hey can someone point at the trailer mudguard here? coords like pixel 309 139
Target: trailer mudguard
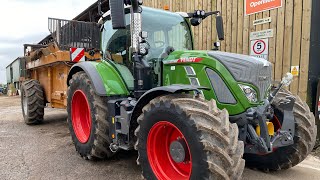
pixel 105 78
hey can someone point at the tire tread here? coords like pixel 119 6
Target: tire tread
pixel 219 139
pixel 100 146
pixel 33 90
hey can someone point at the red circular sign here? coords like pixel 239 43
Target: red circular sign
pixel 259 47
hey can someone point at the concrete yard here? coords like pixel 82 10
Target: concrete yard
pixel 46 151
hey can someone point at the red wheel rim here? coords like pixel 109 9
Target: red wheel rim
pixel 81 116
pixel 276 123
pixel 161 135
pixel 277 127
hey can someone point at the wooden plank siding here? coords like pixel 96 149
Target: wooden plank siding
pixel 291 24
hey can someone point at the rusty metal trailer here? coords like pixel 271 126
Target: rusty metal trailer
pixel 47 66
pixel 51 71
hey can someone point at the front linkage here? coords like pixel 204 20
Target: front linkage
pixel 263 139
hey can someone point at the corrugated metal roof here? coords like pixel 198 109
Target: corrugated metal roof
pixel 18 58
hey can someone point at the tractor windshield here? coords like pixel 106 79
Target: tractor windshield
pixel 165 29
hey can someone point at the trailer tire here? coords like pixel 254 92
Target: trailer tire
pixel 32 102
pixel 304 139
pixel 5 91
pixel 87 119
pixel 214 151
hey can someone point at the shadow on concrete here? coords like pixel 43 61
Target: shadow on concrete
pixel 54 116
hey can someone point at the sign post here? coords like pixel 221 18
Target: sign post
pixel 260 48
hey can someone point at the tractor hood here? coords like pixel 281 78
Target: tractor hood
pixel 247 69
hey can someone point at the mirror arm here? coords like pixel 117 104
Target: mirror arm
pixel 194 14
pixel 135 6
pixel 100 13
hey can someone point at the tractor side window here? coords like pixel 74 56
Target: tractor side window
pixel 179 36
pixel 116 43
pixel 159 39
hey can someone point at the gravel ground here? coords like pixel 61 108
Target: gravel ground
pixel 46 152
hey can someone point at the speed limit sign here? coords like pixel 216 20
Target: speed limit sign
pixel 260 48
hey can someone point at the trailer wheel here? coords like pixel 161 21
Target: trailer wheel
pixel 5 91
pixel 181 137
pixel 304 140
pixel 87 119
pixel 32 102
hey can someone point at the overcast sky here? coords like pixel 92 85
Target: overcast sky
pixel 26 22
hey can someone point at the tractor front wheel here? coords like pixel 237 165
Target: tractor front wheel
pixel 87 119
pixel 183 137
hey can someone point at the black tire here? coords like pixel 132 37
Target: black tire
pixel 97 145
pixel 4 91
pixel 32 102
pixel 213 141
pixel 304 139
pixel 317 113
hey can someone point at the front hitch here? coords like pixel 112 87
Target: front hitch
pixel 286 81
pixel 259 144
pixel 264 144
pixel 284 136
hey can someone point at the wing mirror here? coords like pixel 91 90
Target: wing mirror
pixel 199 15
pixel 219 26
pixel 117 14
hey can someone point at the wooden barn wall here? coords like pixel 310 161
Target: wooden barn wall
pixel 288 47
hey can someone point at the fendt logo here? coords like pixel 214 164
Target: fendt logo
pixel 184 60
pixel 255 6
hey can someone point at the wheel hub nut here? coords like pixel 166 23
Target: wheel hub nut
pixel 178 150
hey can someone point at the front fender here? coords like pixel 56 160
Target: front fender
pixel 158 91
pixel 155 92
pixel 104 77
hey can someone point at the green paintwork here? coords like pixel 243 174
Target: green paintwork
pixel 177 75
pixel 113 82
pixel 125 74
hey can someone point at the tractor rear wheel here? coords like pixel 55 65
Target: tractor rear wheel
pixel 87 119
pixel 183 137
pixel 32 102
pixel 304 139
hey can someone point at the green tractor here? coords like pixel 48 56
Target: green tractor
pixel 190 114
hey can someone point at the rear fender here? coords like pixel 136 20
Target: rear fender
pixel 104 77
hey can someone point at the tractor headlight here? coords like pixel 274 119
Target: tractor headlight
pixel 250 93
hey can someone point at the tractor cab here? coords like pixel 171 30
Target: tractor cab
pixel 166 31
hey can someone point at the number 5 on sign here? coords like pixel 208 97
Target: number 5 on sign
pixel 259 48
